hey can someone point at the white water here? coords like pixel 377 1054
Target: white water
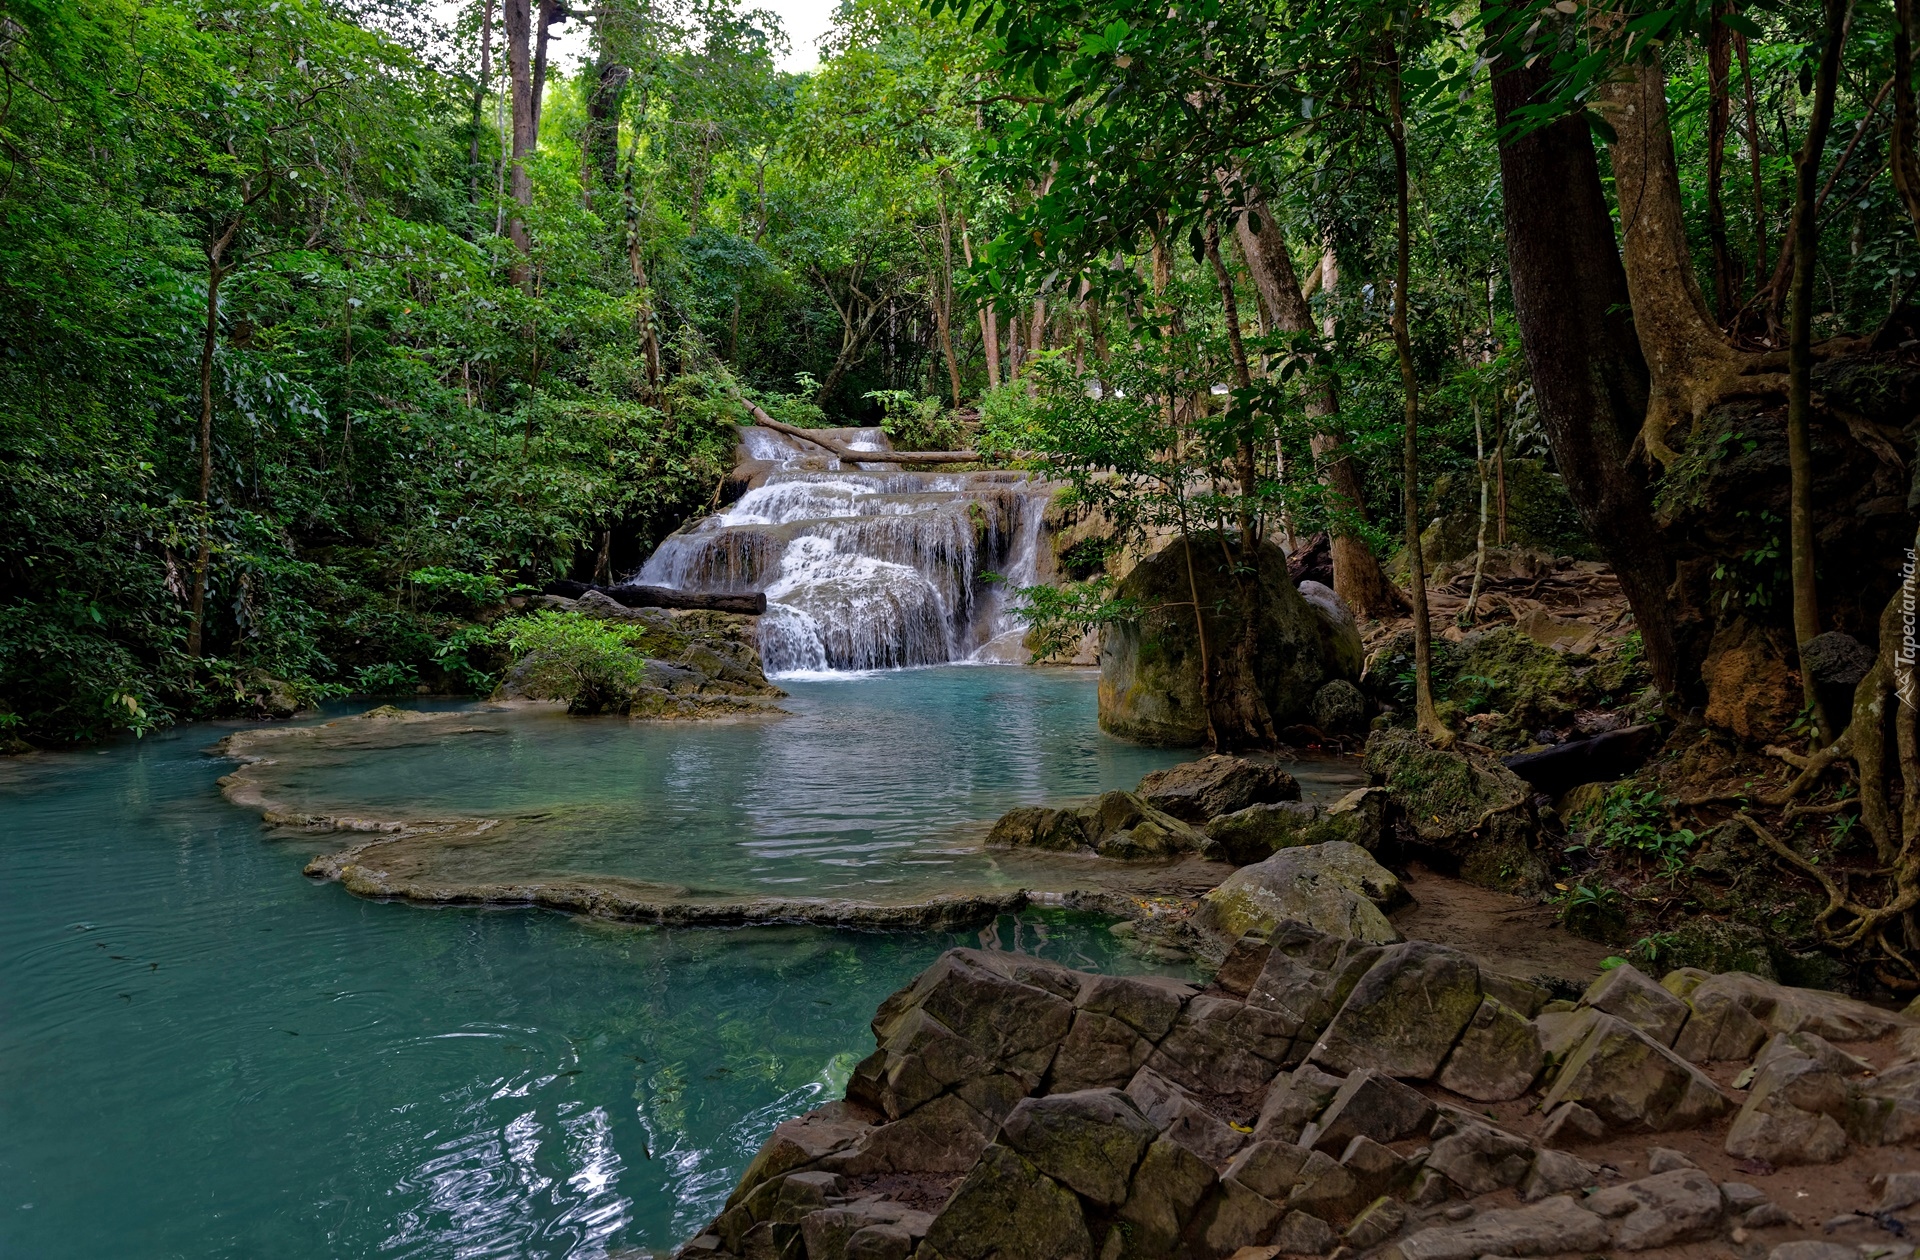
pixel 866 568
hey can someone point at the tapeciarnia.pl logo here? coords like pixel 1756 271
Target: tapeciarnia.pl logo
pixel 1903 670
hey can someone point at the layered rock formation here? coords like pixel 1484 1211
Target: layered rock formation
pixel 1324 1090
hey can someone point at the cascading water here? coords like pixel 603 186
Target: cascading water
pixel 865 568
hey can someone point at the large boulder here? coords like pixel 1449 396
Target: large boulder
pixel 1336 888
pixel 1007 1209
pixel 1150 675
pixel 1199 791
pixel 1465 810
pixel 1122 825
pixel 1259 831
pixel 1405 1014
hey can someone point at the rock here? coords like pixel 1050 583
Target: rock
pixel 1006 1209
pixel 1766 1216
pixel 1627 994
pixel 1523 996
pixel 1665 1159
pixel 1147 1004
pixel 1150 688
pixel 1293 1100
pixel 1405 1014
pixel 829 1232
pixel 1837 662
pixel 1376 1169
pixel 1752 693
pixel 1554 1172
pixel 1548 1228
pixel 1312 561
pixel 1338 707
pixel 1813 1249
pixel 1088 1141
pixel 1380 1220
pixel 1719 1028
pixel 1269 1169
pixel 1815 1047
pixel 1886 1109
pixel 1783 1009
pixel 1031 827
pixel 1791 1114
pixel 1633 1083
pixel 1336 888
pixel 1897 1190
pixel 1183 1120
pixel 1326 1189
pixel 1672 1207
pixel 1235 1217
pixel 1498 1056
pixel 1372 1105
pixel 1197 791
pixel 1340 644
pixel 1480 1159
pixel 1099 1051
pixel 1223 1046
pixel 1570 1124
pixel 801 1141
pixel 1304 1235
pixel 1164 1197
pixel 1009 1024
pixel 1259 831
pixel 1741 1197
pixel 1471 812
pixel 944 1136
pixel 1124 825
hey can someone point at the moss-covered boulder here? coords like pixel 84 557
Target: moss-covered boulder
pixel 1467 811
pixel 1267 646
pixel 1259 831
pixel 1336 888
pixel 1118 825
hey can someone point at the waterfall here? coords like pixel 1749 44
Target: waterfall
pixel 865 568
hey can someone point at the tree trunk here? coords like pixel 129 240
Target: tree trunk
pixel 549 9
pixel 1356 573
pixel 1243 462
pixel 1726 266
pixel 1753 163
pixel 209 340
pixel 943 300
pixel 602 141
pixel 1905 163
pixel 479 99
pixel 1471 612
pixel 643 317
pixel 518 21
pixel 1425 716
pixel 1691 367
pixel 1806 248
pixel 1570 294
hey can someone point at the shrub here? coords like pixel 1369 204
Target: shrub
pixel 593 665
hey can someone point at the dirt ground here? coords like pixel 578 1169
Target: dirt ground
pixel 1509 934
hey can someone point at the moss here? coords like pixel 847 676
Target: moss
pixel 1714 945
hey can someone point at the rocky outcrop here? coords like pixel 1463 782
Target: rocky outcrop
pixel 1122 825
pixel 1264 641
pixel 1460 809
pixel 1336 888
pixel 1322 1091
pixel 697 664
pixel 1259 831
pixel 1198 791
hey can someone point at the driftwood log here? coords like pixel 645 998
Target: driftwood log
pixel 845 452
pixel 662 597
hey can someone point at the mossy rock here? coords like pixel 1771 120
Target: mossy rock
pixel 1150 669
pixel 1539 514
pixel 1714 945
pixel 1491 671
pixel 1470 812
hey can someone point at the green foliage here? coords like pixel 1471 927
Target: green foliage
pixel 1057 616
pixel 593 665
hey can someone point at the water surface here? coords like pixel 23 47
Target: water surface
pixel 206 1055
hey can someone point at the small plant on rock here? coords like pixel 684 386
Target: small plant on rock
pixel 593 665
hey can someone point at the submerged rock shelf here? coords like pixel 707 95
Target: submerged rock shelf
pixel 718 823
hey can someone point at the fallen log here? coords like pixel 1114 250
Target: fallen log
pixel 662 597
pixel 1611 755
pixel 845 452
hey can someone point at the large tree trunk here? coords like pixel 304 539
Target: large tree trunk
pixel 1425 716
pixel 1356 574
pixel 1806 248
pixel 1726 267
pixel 1691 367
pixel 518 21
pixel 1589 379
pixel 550 11
pixel 602 141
